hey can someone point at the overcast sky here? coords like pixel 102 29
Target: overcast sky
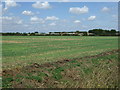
pixel 58 16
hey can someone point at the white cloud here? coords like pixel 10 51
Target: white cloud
pixel 77 21
pixel 1 9
pixel 78 10
pixel 20 22
pixel 63 0
pixel 28 13
pixel 105 9
pixel 36 19
pixel 1 4
pixel 39 5
pixel 6 18
pixel 52 24
pixel 12 23
pixel 114 16
pixel 91 18
pixel 26 25
pixel 10 3
pixel 51 18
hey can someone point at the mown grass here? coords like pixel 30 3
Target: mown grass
pixel 18 51
pixel 94 72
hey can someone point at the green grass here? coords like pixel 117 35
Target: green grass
pixel 57 73
pixel 21 50
pixel 94 72
pixel 74 74
pixel 7 81
pixel 37 78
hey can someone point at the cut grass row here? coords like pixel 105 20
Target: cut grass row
pixel 95 72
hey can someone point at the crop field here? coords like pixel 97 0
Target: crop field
pixel 60 61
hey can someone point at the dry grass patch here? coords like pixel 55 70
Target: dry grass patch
pixel 12 42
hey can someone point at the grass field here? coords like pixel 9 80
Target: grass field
pixel 29 49
pixel 60 61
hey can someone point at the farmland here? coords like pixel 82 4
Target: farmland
pixel 60 61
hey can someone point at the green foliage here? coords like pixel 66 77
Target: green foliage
pixel 42 74
pixel 6 81
pixel 95 61
pixel 101 32
pixel 87 70
pixel 18 80
pixel 96 32
pixel 37 78
pixel 73 61
pixel 57 73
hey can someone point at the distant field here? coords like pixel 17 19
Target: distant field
pixel 20 51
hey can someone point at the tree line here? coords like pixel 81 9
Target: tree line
pixel 101 32
pixel 93 32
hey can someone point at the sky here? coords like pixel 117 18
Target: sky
pixel 58 16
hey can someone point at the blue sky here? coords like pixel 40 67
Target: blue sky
pixel 58 16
